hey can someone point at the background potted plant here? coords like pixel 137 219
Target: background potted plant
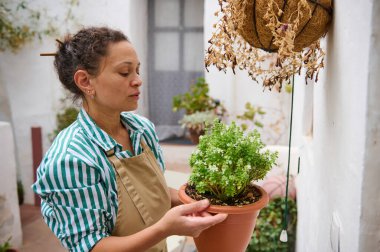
pixel 198 105
pixel 224 165
pixel 196 123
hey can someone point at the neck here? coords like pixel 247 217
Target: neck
pixel 109 121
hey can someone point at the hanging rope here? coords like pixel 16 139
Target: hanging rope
pixel 284 234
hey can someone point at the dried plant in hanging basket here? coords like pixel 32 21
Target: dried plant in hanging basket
pixel 252 23
pixel 271 39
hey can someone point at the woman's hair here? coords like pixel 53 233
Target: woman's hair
pixel 83 50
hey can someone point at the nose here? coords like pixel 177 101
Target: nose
pixel 137 81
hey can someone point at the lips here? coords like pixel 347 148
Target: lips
pixel 135 95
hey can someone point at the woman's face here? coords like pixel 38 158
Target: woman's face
pixel 118 82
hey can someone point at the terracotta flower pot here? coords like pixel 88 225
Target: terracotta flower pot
pixel 194 135
pixel 234 233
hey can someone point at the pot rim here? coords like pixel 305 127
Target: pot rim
pixel 261 203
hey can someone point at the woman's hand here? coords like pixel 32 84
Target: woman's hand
pixel 189 220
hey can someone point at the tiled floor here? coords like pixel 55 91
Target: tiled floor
pixel 36 234
pixel 38 237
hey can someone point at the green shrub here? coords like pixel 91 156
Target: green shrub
pixel 250 116
pixel 227 160
pixel 64 119
pixel 197 99
pixel 5 246
pixel 265 237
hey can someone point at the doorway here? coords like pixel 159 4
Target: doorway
pixel 175 53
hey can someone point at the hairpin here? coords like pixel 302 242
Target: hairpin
pixel 52 54
pixel 48 54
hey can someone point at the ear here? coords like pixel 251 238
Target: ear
pixel 82 80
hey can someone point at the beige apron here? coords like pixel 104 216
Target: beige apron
pixel 143 196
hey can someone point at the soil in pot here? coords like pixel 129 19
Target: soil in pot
pixel 252 195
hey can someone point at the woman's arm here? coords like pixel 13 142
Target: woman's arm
pixel 187 220
pixel 140 241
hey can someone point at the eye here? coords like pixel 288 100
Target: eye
pixel 124 74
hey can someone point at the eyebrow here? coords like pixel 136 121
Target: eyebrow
pixel 128 63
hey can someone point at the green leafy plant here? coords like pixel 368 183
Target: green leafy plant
pixel 265 237
pixel 227 160
pixel 197 99
pixel 20 23
pixel 5 246
pixel 250 116
pixel 64 119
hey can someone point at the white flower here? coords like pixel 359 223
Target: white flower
pixel 196 152
pixel 213 168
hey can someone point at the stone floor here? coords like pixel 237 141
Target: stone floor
pixel 38 237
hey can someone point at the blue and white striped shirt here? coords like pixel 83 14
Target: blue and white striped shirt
pixel 77 183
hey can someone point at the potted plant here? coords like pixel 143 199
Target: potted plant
pixel 198 105
pixel 196 123
pixel 224 165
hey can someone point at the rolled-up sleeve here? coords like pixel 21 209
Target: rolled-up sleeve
pixel 73 201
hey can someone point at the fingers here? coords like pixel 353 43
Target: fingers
pixel 209 220
pixel 204 214
pixel 219 218
pixel 195 207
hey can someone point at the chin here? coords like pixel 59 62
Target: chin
pixel 130 108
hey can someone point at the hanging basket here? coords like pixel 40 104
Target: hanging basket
pixel 251 24
pixel 271 39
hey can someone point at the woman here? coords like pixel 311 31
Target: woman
pixel 101 181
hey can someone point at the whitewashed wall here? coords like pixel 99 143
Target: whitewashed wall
pixel 370 218
pixel 32 85
pixel 336 129
pixel 9 211
pixel 331 183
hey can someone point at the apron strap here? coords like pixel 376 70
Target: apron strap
pixel 144 145
pixel 131 190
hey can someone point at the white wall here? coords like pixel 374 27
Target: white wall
pixel 10 213
pixel 331 177
pixel 370 218
pixel 30 81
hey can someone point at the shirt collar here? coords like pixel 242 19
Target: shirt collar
pixel 128 119
pixel 99 136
